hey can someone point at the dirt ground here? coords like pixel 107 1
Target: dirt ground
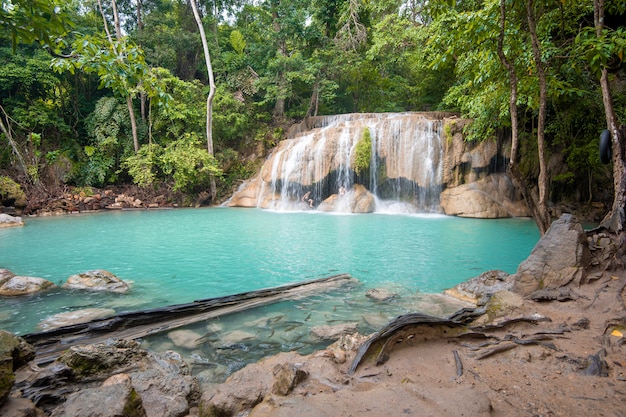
pixel 576 341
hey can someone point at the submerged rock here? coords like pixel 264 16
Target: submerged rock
pixel 379 294
pixel 326 332
pixel 96 280
pixel 184 338
pixel 18 285
pixel 75 317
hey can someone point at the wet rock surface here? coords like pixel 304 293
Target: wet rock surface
pixel 18 285
pixel 96 280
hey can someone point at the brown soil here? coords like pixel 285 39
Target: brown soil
pixel 422 378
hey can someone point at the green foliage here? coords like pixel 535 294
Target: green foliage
pixel 143 166
pixel 28 21
pixel 363 152
pixel 189 164
pixel 108 128
pixel 11 193
pixel 237 42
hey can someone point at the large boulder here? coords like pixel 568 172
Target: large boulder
pixel 248 387
pixel 115 397
pixel 488 198
pixel 18 285
pixel 357 200
pixel 557 260
pixel 10 221
pixel 96 280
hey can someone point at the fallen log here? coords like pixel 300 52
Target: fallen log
pixel 50 344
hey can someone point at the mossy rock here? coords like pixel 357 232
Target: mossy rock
pixel 7 377
pixel 16 348
pixel 11 194
pixel 14 352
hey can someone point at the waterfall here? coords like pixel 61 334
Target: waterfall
pixel 315 166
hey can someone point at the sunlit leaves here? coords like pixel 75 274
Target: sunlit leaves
pixel 43 21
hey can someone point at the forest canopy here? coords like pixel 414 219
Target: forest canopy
pixel 99 92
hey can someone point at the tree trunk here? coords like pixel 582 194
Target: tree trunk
pixel 142 95
pixel 279 107
pixel 614 220
pixel 209 101
pixel 516 177
pixel 542 216
pixel 314 103
pixel 118 35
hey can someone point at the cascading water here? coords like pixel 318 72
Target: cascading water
pixel 316 168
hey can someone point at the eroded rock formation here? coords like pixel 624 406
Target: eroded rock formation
pixel 413 157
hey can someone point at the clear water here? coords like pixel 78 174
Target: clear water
pixel 177 256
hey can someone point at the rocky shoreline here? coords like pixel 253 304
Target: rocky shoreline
pixel 546 341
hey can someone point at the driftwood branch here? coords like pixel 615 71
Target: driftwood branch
pixel 133 325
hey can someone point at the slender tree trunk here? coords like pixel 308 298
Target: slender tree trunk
pixel 142 95
pixel 314 103
pixel 516 177
pixel 542 215
pixel 279 107
pixel 209 101
pixel 118 35
pixel 614 220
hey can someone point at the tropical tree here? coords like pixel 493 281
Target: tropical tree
pixel 209 100
pixel 611 44
pixel 28 21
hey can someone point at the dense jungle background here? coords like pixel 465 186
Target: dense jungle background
pixel 97 93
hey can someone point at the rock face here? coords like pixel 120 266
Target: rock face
pixel 491 197
pixel 116 378
pixel 558 259
pixel 96 280
pixel 18 285
pixel 414 156
pixel 10 221
pixel 14 352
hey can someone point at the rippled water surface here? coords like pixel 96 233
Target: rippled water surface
pixel 176 256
